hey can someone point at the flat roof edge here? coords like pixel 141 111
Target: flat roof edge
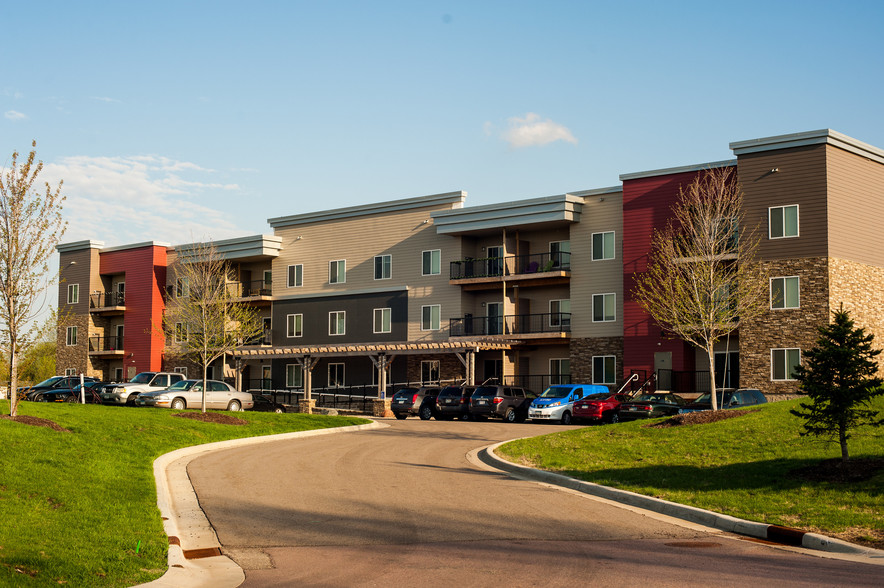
pixel 141 245
pixel 677 170
pixel 817 137
pixel 78 245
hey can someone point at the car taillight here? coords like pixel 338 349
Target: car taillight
pixel 464 400
pixel 414 398
pixel 645 407
pixel 496 400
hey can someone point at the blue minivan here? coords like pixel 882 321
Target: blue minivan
pixel 557 402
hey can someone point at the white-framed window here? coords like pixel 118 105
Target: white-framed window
pixel 294 376
pixel 121 287
pixel 604 369
pixel 431 316
pixel 782 221
pixel 431 262
pixel 177 370
pixel 783 363
pixel 295 276
pixel 70 371
pixel 71 338
pixel 603 246
pixel 180 332
pixel 785 292
pixel 118 374
pixel 560 254
pixel 294 325
pixel 337 271
pixel 559 370
pixel 560 313
pixel 337 322
pixel 383 267
pixel 336 375
pixel 604 307
pixel 182 288
pixel 382 320
pixel 430 371
pixel 73 293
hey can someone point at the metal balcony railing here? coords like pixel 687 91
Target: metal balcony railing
pixel 489 267
pixel 106 299
pixel 249 289
pixel 97 343
pixel 515 324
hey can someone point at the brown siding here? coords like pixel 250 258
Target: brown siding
pixel 856 207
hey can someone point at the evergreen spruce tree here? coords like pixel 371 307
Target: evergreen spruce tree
pixel 839 375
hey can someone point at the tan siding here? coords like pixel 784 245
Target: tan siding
pixel 856 207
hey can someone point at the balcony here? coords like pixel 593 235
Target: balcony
pixel 536 269
pixel 524 326
pixel 107 302
pixel 256 291
pixel 106 346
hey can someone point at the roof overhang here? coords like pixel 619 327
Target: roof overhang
pixel 375 349
pixel 242 249
pixel 537 212
pixel 818 137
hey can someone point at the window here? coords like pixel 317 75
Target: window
pixel 559 371
pixel 603 369
pixel 335 375
pixel 294 325
pixel 430 372
pixel 118 373
pixel 560 313
pixel 430 317
pixel 784 292
pixel 337 322
pixel 337 271
pixel 71 336
pixel 783 221
pixel 268 278
pixel 560 254
pixel 73 293
pixel 70 371
pixel 294 376
pixel 177 370
pixel 783 362
pixel 182 288
pixel 295 276
pixel 383 267
pixel 382 320
pixel 180 332
pixel 267 327
pixel 603 308
pixel 603 246
pixel 432 262
pixel 210 373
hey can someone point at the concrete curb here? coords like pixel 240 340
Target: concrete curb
pixel 195 558
pixel 772 533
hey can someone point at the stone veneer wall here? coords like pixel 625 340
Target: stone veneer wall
pixel 450 367
pixel 582 352
pixel 74 356
pixel 860 288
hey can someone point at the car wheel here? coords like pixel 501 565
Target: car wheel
pixel 465 416
pixel 566 418
pixel 72 399
pixel 234 406
pixel 40 398
pixel 425 413
pixel 615 418
pixel 401 416
pixel 178 404
pixel 279 410
pixel 510 415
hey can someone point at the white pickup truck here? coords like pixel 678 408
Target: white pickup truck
pixel 127 392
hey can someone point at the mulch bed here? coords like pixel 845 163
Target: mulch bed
pixel 702 417
pixel 36 422
pixel 211 417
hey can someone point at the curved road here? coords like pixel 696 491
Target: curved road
pixel 404 506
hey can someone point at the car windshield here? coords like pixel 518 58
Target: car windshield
pixel 485 391
pixel 142 378
pixel 556 392
pixel 722 397
pixel 183 385
pixel 50 381
pixel 405 392
pixel 651 398
pixel 451 391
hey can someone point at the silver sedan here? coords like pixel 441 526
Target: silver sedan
pixel 189 394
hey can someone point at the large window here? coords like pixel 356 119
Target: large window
pixel 295 276
pixel 337 271
pixel 604 369
pixel 560 313
pixel 182 288
pixel 431 262
pixel 431 317
pixel 337 322
pixel 784 292
pixel 336 375
pixel 294 376
pixel 180 332
pixel 560 371
pixel 604 308
pixel 294 325
pixel 603 246
pixel 71 336
pixel 383 267
pixel 560 254
pixel 783 363
pixel 430 372
pixel 73 293
pixel 783 221
pixel 382 320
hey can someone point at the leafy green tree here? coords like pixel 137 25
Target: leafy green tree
pixel 839 375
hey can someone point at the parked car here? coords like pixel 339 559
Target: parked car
pixel 727 399
pixel 649 406
pixel 509 403
pixel 91 393
pixel 454 402
pixel 265 404
pixel 127 392
pixel 556 403
pixel 599 408
pixel 189 394
pixel 415 401
pixel 53 383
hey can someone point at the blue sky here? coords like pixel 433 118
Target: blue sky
pixel 175 121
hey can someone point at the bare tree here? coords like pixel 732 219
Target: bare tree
pixel 703 278
pixel 204 320
pixel 30 228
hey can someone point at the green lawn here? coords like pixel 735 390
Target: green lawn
pixel 740 467
pixel 79 508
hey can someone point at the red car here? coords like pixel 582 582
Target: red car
pixel 600 408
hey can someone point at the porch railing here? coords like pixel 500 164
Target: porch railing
pixel 98 343
pixel 516 324
pixel 249 289
pixel 487 267
pixel 105 299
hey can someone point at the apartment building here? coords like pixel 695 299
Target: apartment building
pixel 535 291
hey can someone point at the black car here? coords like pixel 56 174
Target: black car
pixel 509 403
pixel 53 383
pixel 415 401
pixel 265 404
pixel 90 393
pixel 727 399
pixel 454 402
pixel 650 406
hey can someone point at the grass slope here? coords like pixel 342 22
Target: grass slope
pixel 740 467
pixel 79 508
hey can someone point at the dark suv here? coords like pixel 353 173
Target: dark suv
pixel 415 401
pixel 727 399
pixel 54 383
pixel 506 402
pixel 454 402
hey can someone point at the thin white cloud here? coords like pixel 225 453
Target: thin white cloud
pixel 15 115
pixel 105 99
pixel 533 131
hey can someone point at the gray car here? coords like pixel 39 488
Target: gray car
pixel 189 394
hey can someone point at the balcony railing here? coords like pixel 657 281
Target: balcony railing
pixel 106 299
pixel 105 344
pixel 489 267
pixel 250 289
pixel 515 324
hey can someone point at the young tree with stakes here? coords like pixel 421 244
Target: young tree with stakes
pixel 204 319
pixel 702 278
pixel 30 228
pixel 839 375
